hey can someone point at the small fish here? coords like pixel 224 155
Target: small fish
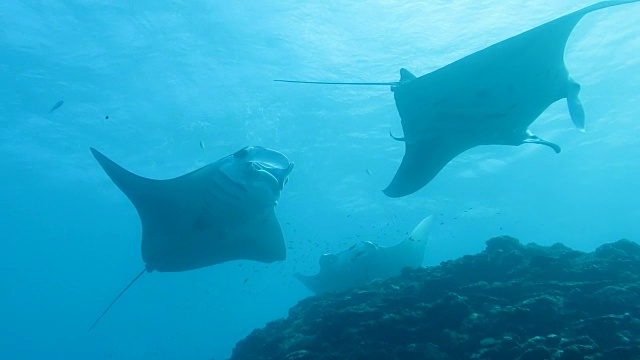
pixel 201 145
pixel 55 106
pixel 368 172
pixel 106 117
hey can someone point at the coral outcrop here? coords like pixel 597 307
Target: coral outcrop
pixel 511 301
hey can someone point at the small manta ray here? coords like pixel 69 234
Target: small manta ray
pixel 56 106
pixel 221 212
pixel 366 261
pixel 487 98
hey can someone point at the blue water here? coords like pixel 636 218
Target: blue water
pixel 171 74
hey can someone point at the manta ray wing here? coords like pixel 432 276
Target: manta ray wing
pixel 198 219
pixel 422 161
pixel 410 252
pixel 487 98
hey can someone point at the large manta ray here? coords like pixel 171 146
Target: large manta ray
pixel 221 212
pixel 487 98
pixel 366 261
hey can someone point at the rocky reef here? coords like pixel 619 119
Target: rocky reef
pixel 511 301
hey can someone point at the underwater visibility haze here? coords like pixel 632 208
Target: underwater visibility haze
pixel 166 88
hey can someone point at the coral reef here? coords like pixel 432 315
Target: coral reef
pixel 511 301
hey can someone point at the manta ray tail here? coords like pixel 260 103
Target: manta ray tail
pixel 337 83
pixel 405 76
pixel 116 299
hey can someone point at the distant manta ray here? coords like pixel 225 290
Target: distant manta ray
pixel 366 261
pixel 221 212
pixel 487 98
pixel 56 106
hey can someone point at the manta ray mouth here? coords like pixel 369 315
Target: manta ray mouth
pixel 278 174
pixel 268 165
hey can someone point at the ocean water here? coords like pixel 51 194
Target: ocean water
pixel 147 81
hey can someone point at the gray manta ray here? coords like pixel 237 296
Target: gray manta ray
pixel 221 212
pixel 366 261
pixel 487 98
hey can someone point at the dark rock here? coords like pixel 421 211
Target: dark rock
pixel 511 301
pixel 503 243
pixel 573 352
pixel 537 353
pixel 622 353
pixel 619 249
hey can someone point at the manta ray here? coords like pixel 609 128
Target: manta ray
pixel 366 261
pixel 487 98
pixel 221 212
